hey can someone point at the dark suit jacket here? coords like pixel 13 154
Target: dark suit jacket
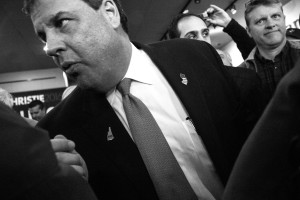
pixel 116 169
pixel 268 166
pixel 29 169
pixel 251 94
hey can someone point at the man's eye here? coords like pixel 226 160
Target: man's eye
pixel 205 33
pixel 61 22
pixel 276 16
pixel 192 36
pixel 259 22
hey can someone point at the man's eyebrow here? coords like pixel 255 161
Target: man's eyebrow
pixel 54 18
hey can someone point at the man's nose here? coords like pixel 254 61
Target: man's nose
pixel 270 23
pixel 55 46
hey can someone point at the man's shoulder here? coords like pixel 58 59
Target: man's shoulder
pixel 181 49
pixel 173 45
pixel 66 110
pixel 180 42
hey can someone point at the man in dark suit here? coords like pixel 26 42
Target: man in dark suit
pixel 29 166
pixel 268 165
pixel 88 40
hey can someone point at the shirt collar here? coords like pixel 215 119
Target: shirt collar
pixel 277 58
pixel 140 67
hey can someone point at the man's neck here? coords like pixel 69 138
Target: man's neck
pixel 271 53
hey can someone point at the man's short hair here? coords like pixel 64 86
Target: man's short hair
pixel 35 103
pixel 95 4
pixel 6 98
pixel 173 31
pixel 252 4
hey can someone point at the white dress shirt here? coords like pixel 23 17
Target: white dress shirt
pixel 150 86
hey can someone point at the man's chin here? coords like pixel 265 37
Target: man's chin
pixel 274 41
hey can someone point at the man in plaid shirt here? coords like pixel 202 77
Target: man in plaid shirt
pixel 273 55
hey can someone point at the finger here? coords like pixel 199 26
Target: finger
pixel 68 158
pixel 62 144
pixel 60 137
pixel 216 7
pixel 211 21
pixel 80 170
pixel 71 143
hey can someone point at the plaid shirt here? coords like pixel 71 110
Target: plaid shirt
pixel 271 71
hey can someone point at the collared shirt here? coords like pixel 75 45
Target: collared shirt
pixel 150 86
pixel 271 71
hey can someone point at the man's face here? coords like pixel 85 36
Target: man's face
pixel 37 113
pixel 192 27
pixel 82 41
pixel 267 26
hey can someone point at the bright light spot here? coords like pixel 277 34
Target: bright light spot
pixel 66 79
pixel 45 48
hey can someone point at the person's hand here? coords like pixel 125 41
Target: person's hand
pixel 217 16
pixel 65 153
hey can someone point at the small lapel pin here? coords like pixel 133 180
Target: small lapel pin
pixel 110 136
pixel 184 79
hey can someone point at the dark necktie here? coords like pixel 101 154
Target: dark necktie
pixel 168 178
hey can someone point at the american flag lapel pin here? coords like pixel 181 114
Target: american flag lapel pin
pixel 110 136
pixel 184 79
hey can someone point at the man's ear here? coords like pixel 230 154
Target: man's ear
pixel 111 13
pixel 248 31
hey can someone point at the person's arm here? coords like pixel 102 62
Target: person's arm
pixel 219 17
pixel 29 167
pixel 239 35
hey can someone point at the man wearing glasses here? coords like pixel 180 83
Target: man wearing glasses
pixel 273 55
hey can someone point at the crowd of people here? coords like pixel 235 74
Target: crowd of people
pixel 172 120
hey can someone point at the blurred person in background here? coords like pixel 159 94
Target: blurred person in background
pixel 37 109
pixel 7 99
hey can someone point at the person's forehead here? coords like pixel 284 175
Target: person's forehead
pixel 35 108
pixel 265 10
pixel 43 10
pixel 191 22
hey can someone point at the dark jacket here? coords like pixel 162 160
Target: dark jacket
pixel 29 167
pixel 268 165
